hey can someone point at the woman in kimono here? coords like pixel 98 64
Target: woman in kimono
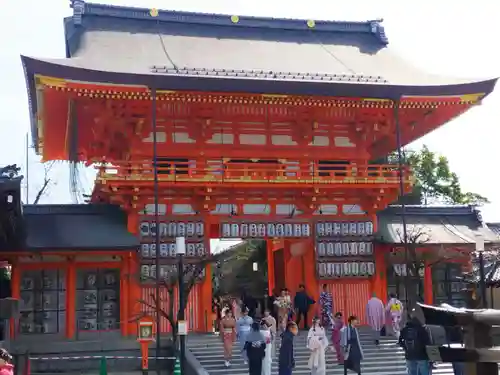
pixel 326 303
pixel 271 323
pixel 228 333
pixel 284 304
pixel 243 325
pixel 286 357
pixel 317 343
pixel 338 324
pixel 351 346
pixel 265 330
pixel 395 310
pixel 255 350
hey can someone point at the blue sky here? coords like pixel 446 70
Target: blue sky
pixel 459 38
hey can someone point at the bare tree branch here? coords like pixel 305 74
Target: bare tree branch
pixel 170 283
pixel 47 167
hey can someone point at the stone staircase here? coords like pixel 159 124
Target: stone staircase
pixel 387 359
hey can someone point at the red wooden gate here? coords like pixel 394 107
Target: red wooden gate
pixel 350 298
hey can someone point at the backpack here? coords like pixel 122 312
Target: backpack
pixel 413 341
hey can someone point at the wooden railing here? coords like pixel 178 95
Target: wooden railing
pixel 269 172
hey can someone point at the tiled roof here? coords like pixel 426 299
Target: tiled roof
pixel 82 9
pixel 221 53
pixel 434 225
pixel 123 40
pixel 83 227
pixel 495 227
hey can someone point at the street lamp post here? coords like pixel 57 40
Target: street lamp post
pixel 401 199
pixel 180 245
pixel 157 226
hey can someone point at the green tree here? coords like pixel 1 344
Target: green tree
pixel 435 182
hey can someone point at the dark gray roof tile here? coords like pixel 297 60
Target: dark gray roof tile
pixel 77 227
pixel 434 225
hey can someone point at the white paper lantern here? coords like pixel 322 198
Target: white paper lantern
pixel 338 249
pixel 200 229
pixel 337 229
pixel 345 229
pixel 321 249
pixel 321 269
pixel 330 249
pixel 253 230
pixel 355 268
pixel 226 230
pixel 338 269
pixel 235 231
pixel 345 248
pixel 369 248
pixel 190 229
pixel 369 228
pixel 354 248
pixel 361 229
pixel 363 269
pixel 371 268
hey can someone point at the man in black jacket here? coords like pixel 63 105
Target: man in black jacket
pixel 413 339
pixel 286 359
pixel 301 302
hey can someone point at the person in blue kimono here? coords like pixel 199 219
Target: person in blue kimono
pixel 286 360
pixel 243 326
pixel 351 345
pixel 255 349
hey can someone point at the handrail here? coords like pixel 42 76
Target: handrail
pixel 266 172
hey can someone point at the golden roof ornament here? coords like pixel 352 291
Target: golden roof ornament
pixel 153 12
pixel 311 24
pixel 235 19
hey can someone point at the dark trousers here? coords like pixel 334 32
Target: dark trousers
pixel 286 371
pixel 300 314
pixel 349 365
pixel 345 371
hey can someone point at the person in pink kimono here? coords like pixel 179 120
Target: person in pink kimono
pixel 338 324
pixel 375 312
pixel 395 310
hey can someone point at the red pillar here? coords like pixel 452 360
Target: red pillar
pixel 15 282
pixel 379 284
pixel 428 293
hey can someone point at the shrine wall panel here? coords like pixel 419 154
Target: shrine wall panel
pixel 192 313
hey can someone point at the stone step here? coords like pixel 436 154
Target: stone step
pixel 387 359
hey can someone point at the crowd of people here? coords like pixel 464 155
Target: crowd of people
pixel 255 325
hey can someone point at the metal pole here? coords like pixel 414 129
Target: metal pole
pixel 482 281
pixel 401 198
pixel 182 339
pixel 157 229
pixel 27 169
pixel 482 278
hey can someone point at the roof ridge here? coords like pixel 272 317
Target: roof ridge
pixel 82 8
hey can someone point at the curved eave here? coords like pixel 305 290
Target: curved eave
pixel 236 84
